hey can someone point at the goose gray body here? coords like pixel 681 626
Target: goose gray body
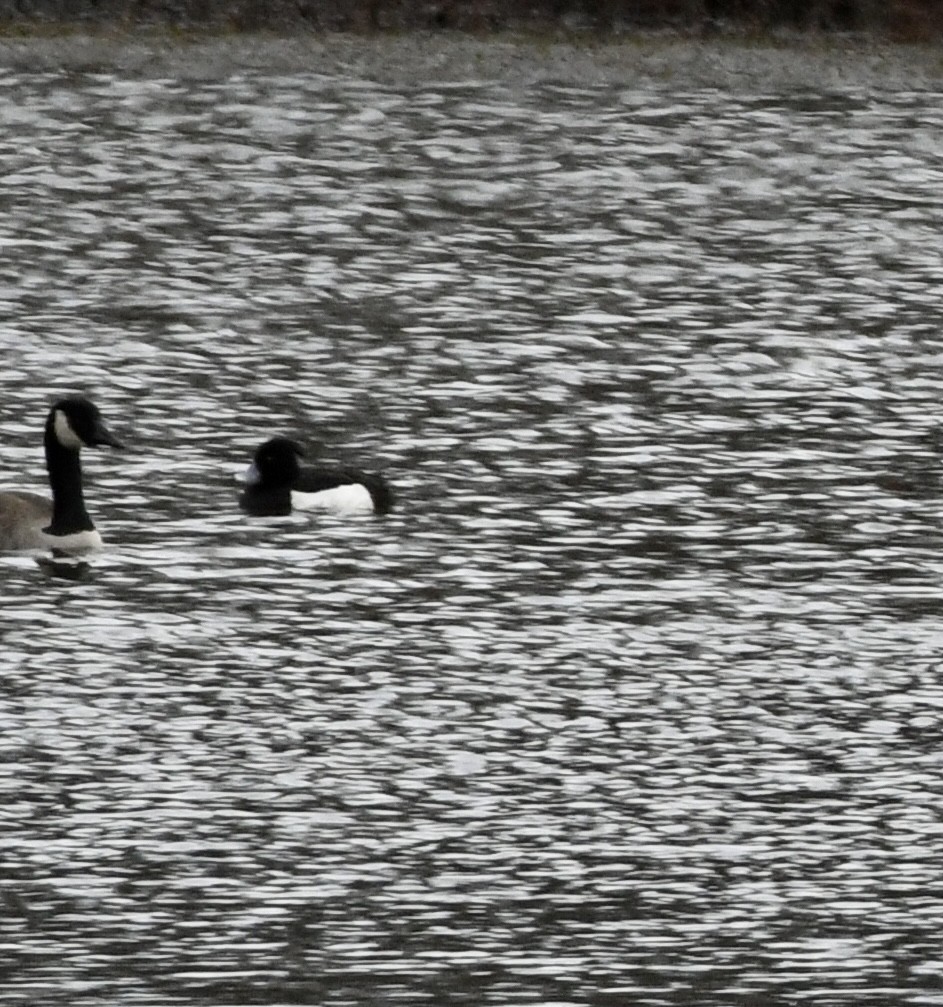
pixel 31 522
pixel 23 516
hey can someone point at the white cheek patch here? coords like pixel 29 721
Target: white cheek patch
pixel 65 435
pixel 350 499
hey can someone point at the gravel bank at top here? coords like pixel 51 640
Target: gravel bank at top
pixel 844 65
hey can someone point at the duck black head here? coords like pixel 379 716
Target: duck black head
pixel 275 464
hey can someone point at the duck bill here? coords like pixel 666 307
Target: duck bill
pixel 253 476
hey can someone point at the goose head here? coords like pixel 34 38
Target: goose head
pixel 75 423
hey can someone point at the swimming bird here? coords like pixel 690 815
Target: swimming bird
pixel 277 484
pixel 29 521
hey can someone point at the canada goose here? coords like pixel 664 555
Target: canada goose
pixel 276 484
pixel 30 521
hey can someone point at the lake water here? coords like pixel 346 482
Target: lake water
pixel 635 699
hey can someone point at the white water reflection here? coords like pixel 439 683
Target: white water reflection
pixel 635 696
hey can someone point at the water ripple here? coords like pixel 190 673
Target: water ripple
pixel 634 698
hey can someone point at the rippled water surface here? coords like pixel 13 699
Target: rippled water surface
pixel 636 697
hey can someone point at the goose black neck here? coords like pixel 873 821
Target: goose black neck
pixel 65 477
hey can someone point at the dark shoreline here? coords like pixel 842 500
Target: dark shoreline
pixel 888 20
pixel 687 45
